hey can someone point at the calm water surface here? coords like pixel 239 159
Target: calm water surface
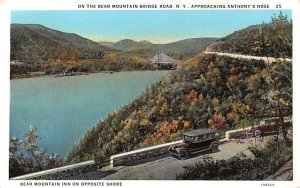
pixel 64 108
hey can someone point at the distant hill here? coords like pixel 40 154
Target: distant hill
pixel 129 45
pixel 181 50
pixel 32 43
pixel 186 48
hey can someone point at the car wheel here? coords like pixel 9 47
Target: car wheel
pixel 257 134
pixel 183 154
pixel 215 148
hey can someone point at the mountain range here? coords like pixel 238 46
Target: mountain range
pixel 182 49
pixel 34 43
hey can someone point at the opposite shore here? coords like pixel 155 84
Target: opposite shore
pixel 57 75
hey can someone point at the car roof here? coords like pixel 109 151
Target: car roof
pixel 197 132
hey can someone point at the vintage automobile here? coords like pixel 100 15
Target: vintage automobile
pixel 195 141
pixel 266 126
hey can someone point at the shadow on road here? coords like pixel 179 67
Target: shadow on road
pixel 202 153
pixel 159 157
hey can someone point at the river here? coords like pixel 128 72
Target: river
pixel 63 109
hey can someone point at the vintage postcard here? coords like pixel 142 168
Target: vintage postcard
pixel 193 93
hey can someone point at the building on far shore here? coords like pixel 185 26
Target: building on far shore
pixel 162 60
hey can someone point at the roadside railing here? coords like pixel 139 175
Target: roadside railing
pixel 236 133
pixel 54 170
pixel 135 156
pixel 140 154
pixel 127 158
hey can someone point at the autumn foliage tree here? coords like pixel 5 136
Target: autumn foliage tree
pixel 217 122
pixel 277 76
pixel 26 157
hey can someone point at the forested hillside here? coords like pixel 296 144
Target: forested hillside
pixel 32 43
pixel 259 40
pixel 206 91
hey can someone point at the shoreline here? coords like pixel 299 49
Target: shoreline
pixel 30 75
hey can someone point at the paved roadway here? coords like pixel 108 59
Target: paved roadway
pixel 249 57
pixel 167 168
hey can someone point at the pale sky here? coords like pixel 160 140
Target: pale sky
pixel 158 26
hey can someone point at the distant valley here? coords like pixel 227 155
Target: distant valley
pixel 182 50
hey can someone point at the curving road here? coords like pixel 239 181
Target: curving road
pixel 249 57
pixel 167 168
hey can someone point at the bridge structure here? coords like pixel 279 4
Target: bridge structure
pixel 163 60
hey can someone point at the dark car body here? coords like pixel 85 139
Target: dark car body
pixel 266 126
pixel 195 141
